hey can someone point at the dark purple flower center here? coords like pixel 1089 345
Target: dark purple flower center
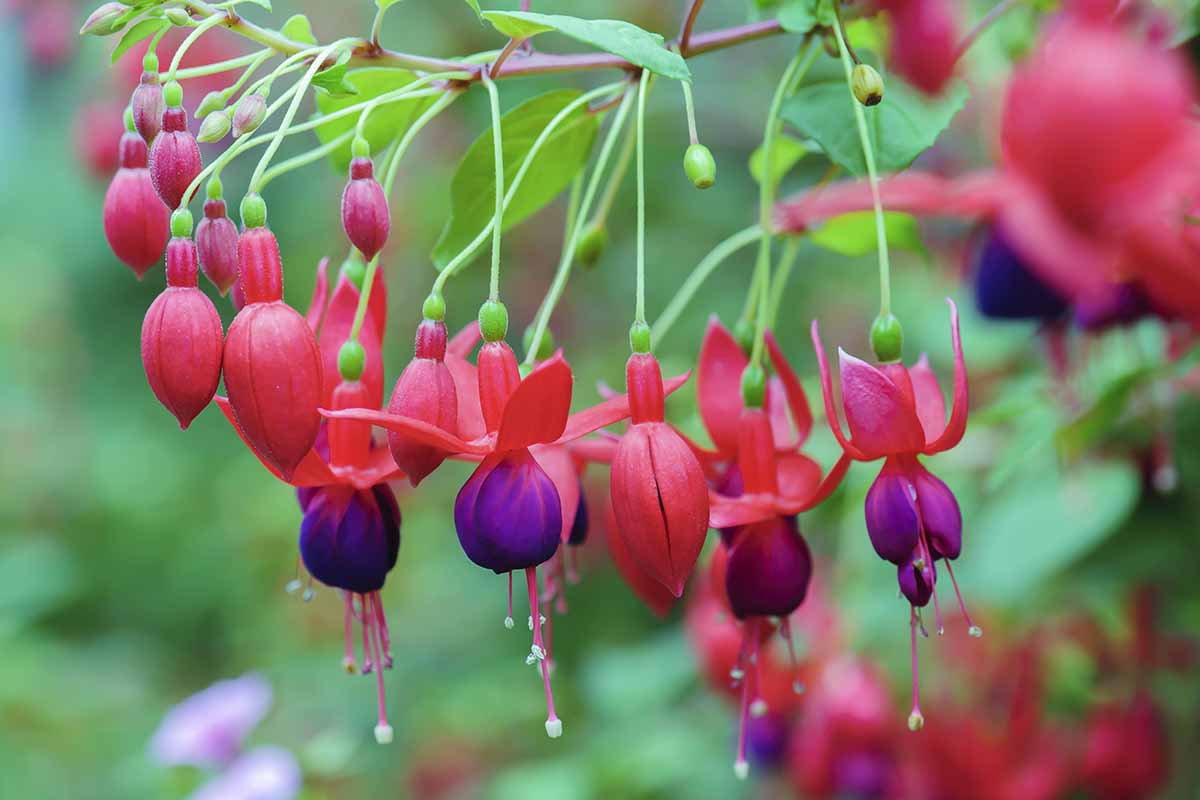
pixel 768 570
pixel 349 539
pixel 1005 288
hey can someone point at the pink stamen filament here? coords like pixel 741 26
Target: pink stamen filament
pixel 384 633
pixel 972 628
pixel 748 655
pixel 572 565
pixel 365 619
pixel 930 569
pixel 348 630
pixel 915 719
pixel 508 621
pixel 372 626
pixel 553 724
pixel 785 628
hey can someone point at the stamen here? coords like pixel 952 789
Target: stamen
pixel 916 720
pixel 572 559
pixel 560 583
pixel 785 628
pixel 741 767
pixel 309 591
pixel 348 629
pixel 508 621
pixel 921 565
pixel 554 725
pixel 383 731
pixel 293 586
pixel 384 633
pixel 973 629
pixel 365 618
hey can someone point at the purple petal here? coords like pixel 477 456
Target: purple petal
pixel 265 773
pixel 940 513
pixel 768 570
pixel 916 584
pixel 767 739
pixel 891 514
pixel 208 728
pixel 350 539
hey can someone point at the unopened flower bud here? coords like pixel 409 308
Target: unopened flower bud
pixel 493 321
pixel 102 21
pixel 700 166
pixel 250 113
pixel 867 84
pixel 754 386
pixel 214 128
pixel 351 360
pixel 178 17
pixel 591 245
pixel 887 338
pixel 213 101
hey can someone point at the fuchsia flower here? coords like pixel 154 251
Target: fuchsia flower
pixel 174 156
pixel 365 215
pixel 217 245
pixel 897 413
pixel 136 223
pixel 97 130
pixel 147 102
pixel 924 41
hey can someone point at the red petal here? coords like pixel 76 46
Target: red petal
pixel 649 591
pixel 465 340
pixel 835 423
pixel 796 399
pixel 416 430
pixel 556 461
pixel 611 411
pixel 798 477
pixel 957 425
pixel 316 309
pixel 595 451
pixel 466 388
pixel 380 469
pixel 537 410
pixel 727 512
pixel 312 470
pixel 823 490
pixel 881 419
pixel 931 407
pixel 719 385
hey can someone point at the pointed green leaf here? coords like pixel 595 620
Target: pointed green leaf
pixel 853 234
pixel 137 34
pixel 473 190
pixel 387 122
pixel 299 29
pixel 637 46
pixel 332 80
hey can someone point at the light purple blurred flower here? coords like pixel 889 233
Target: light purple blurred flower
pixel 208 728
pixel 265 773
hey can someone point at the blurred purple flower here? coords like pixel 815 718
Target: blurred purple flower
pixel 265 773
pixel 208 728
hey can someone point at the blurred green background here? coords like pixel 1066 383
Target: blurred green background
pixel 138 564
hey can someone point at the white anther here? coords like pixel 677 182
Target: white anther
pixel 741 769
pixel 508 623
pixel 554 728
pixel 737 673
pixel 293 586
pixel 383 733
pixel 975 631
pixel 916 721
pixel 758 707
pixel 798 687
pixel 308 595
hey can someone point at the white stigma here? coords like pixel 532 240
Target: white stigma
pixel 348 665
pixel 554 728
pixel 308 595
pixel 758 707
pixel 916 721
pixel 975 631
pixel 741 769
pixel 383 733
pixel 508 623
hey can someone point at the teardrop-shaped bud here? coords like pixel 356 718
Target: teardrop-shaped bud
pixel 250 112
pixel 424 391
pixel 136 223
pixel 182 339
pixel 350 539
pixel 217 245
pixel 148 106
pixel 273 369
pixel 768 570
pixel 508 514
pixel 101 21
pixel 174 157
pixel 214 127
pixel 365 215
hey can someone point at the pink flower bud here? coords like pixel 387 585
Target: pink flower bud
pixel 174 157
pixel 365 215
pixel 136 222
pixel 217 244
pixel 148 106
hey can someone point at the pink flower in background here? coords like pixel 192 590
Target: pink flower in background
pixel 209 728
pixel 265 773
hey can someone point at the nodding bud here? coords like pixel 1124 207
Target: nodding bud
pixel 867 84
pixel 148 106
pixel 250 112
pixel 182 339
pixel 592 244
pixel 260 268
pixel 887 338
pixel 425 391
pixel 700 166
pixel 101 22
pixel 213 101
pixel 174 157
pixel 365 215
pixel 136 223
pixel 217 245
pixel 214 127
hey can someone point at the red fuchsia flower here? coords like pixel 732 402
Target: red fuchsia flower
pixel 182 338
pixel 217 245
pixel 147 102
pixel 136 223
pixel 272 365
pixel 365 215
pixel 49 33
pixel 98 129
pixel 897 413
pixel 1126 751
pixel 350 533
pixel 924 41
pixel 175 155
pixel 331 318
pixel 659 494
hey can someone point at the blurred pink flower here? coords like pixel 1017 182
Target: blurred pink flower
pixel 265 773
pixel 208 728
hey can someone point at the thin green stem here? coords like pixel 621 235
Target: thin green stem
pixel 639 311
pixel 616 178
pixel 687 290
pixel 571 242
pixel 766 191
pixel 498 158
pixel 572 213
pixel 288 116
pixel 689 106
pixel 377 25
pixel 304 159
pixel 860 117
pixel 153 48
pixel 469 252
pixel 221 66
pixel 250 70
pixel 791 249
pixel 190 40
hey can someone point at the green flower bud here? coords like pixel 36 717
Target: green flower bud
pixel 887 338
pixel 493 321
pixel 434 308
pixel 254 211
pixel 102 21
pixel 867 84
pixel 215 127
pixel 178 17
pixel 354 269
pixel 213 101
pixel 360 148
pixel 181 223
pixel 173 94
pixel 744 332
pixel 700 166
pixel 591 245
pixel 754 386
pixel 352 359
pixel 545 346
pixel 639 337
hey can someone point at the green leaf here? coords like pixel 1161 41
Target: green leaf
pixel 801 16
pixel 332 80
pixel 387 122
pixel 298 29
pixel 902 127
pixel 474 4
pixel 630 42
pixel 785 154
pixel 384 5
pixel 139 33
pixel 853 234
pixel 473 189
